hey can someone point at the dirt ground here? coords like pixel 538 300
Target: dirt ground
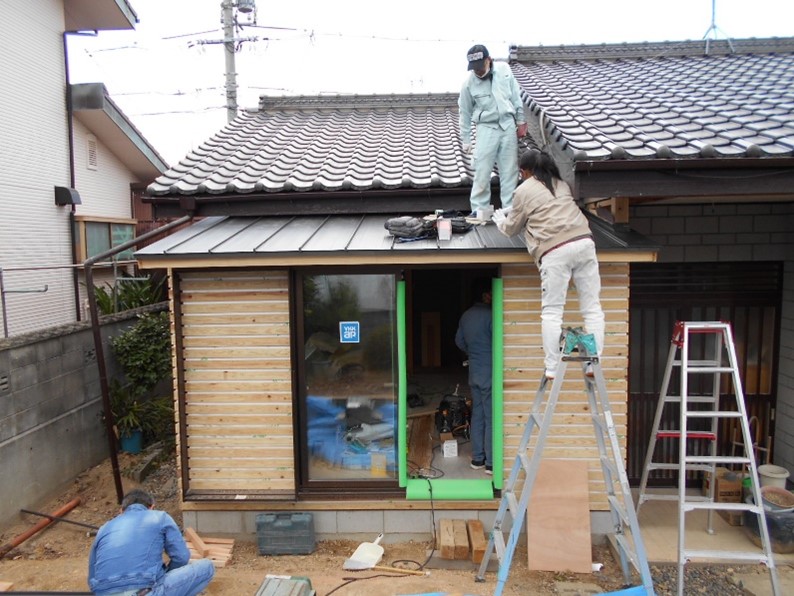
pixel 56 558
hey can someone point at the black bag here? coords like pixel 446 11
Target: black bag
pixel 453 416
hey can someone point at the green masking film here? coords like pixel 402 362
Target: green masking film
pixel 448 489
pixel 497 378
pixel 402 387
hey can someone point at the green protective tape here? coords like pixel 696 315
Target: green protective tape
pixel 402 391
pixel 448 489
pixel 497 379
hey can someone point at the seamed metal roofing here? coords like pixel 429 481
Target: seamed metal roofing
pixel 345 235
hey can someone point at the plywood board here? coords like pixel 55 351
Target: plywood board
pixel 558 518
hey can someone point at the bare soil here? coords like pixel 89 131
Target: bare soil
pixel 56 558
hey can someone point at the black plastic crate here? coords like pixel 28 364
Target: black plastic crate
pixel 285 533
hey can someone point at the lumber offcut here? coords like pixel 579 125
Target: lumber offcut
pixel 217 550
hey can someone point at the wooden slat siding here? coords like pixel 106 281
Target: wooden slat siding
pixel 571 435
pixel 238 380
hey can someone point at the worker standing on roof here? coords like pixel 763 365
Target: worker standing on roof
pixel 558 237
pixel 490 97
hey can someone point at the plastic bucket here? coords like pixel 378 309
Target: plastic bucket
pixel 770 475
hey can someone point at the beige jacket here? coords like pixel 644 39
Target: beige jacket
pixel 547 219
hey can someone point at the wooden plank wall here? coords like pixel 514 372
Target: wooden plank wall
pixel 238 393
pixel 571 435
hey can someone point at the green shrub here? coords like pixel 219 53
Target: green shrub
pixel 144 351
pixel 129 293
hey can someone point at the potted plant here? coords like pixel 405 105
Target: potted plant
pixel 128 410
pixel 144 354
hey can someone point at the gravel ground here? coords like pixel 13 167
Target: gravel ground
pixel 698 579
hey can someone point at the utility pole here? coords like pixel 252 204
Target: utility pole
pixel 227 17
pixel 229 41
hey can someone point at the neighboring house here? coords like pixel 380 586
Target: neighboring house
pixel 70 159
pixel 301 326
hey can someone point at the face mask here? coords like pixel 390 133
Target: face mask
pixel 485 74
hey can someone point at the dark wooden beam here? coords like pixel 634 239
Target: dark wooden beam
pixel 694 182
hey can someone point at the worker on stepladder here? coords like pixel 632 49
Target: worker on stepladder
pixel 490 97
pixel 559 239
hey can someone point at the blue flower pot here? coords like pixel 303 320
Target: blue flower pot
pixel 132 442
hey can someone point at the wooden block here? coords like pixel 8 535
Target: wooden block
pixel 461 539
pixel 477 542
pixel 558 518
pixel 446 539
pixel 192 536
pixel 6 586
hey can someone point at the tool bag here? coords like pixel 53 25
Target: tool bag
pixel 453 415
pixel 409 227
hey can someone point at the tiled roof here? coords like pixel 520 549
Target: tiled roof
pixel 328 143
pixel 663 100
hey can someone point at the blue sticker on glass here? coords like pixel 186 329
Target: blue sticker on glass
pixel 349 332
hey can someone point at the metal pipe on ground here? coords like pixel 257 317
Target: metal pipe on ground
pixel 39 526
pixel 59 519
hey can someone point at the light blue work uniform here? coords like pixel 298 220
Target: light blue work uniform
pixel 493 103
pixel 474 337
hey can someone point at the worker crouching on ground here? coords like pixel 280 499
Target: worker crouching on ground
pixel 474 338
pixel 127 554
pixel 559 239
pixel 490 97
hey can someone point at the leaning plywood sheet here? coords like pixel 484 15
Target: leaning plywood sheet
pixel 558 518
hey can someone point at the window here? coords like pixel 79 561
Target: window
pixel 349 377
pixel 94 236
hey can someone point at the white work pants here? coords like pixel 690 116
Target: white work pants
pixel 575 260
pixel 498 146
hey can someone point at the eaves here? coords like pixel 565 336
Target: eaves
pixel 93 108
pixel 98 15
pixel 739 179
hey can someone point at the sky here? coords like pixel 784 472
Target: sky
pixel 168 75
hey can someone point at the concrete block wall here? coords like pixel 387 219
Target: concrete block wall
pixel 737 232
pixel 396 526
pixel 51 425
pixel 717 232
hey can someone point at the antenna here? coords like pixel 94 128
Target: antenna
pixel 713 29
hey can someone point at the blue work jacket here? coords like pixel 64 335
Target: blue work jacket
pixel 127 553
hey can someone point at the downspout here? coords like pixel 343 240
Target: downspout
pixel 72 181
pixel 88 265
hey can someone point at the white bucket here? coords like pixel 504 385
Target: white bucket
pixel 770 475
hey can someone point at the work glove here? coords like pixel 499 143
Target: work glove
pixel 500 218
pixel 521 132
pixel 467 148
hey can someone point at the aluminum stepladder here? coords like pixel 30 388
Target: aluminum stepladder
pixel 630 547
pixel 703 410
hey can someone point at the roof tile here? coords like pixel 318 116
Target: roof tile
pixel 673 97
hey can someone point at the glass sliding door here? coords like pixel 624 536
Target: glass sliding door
pixel 349 390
